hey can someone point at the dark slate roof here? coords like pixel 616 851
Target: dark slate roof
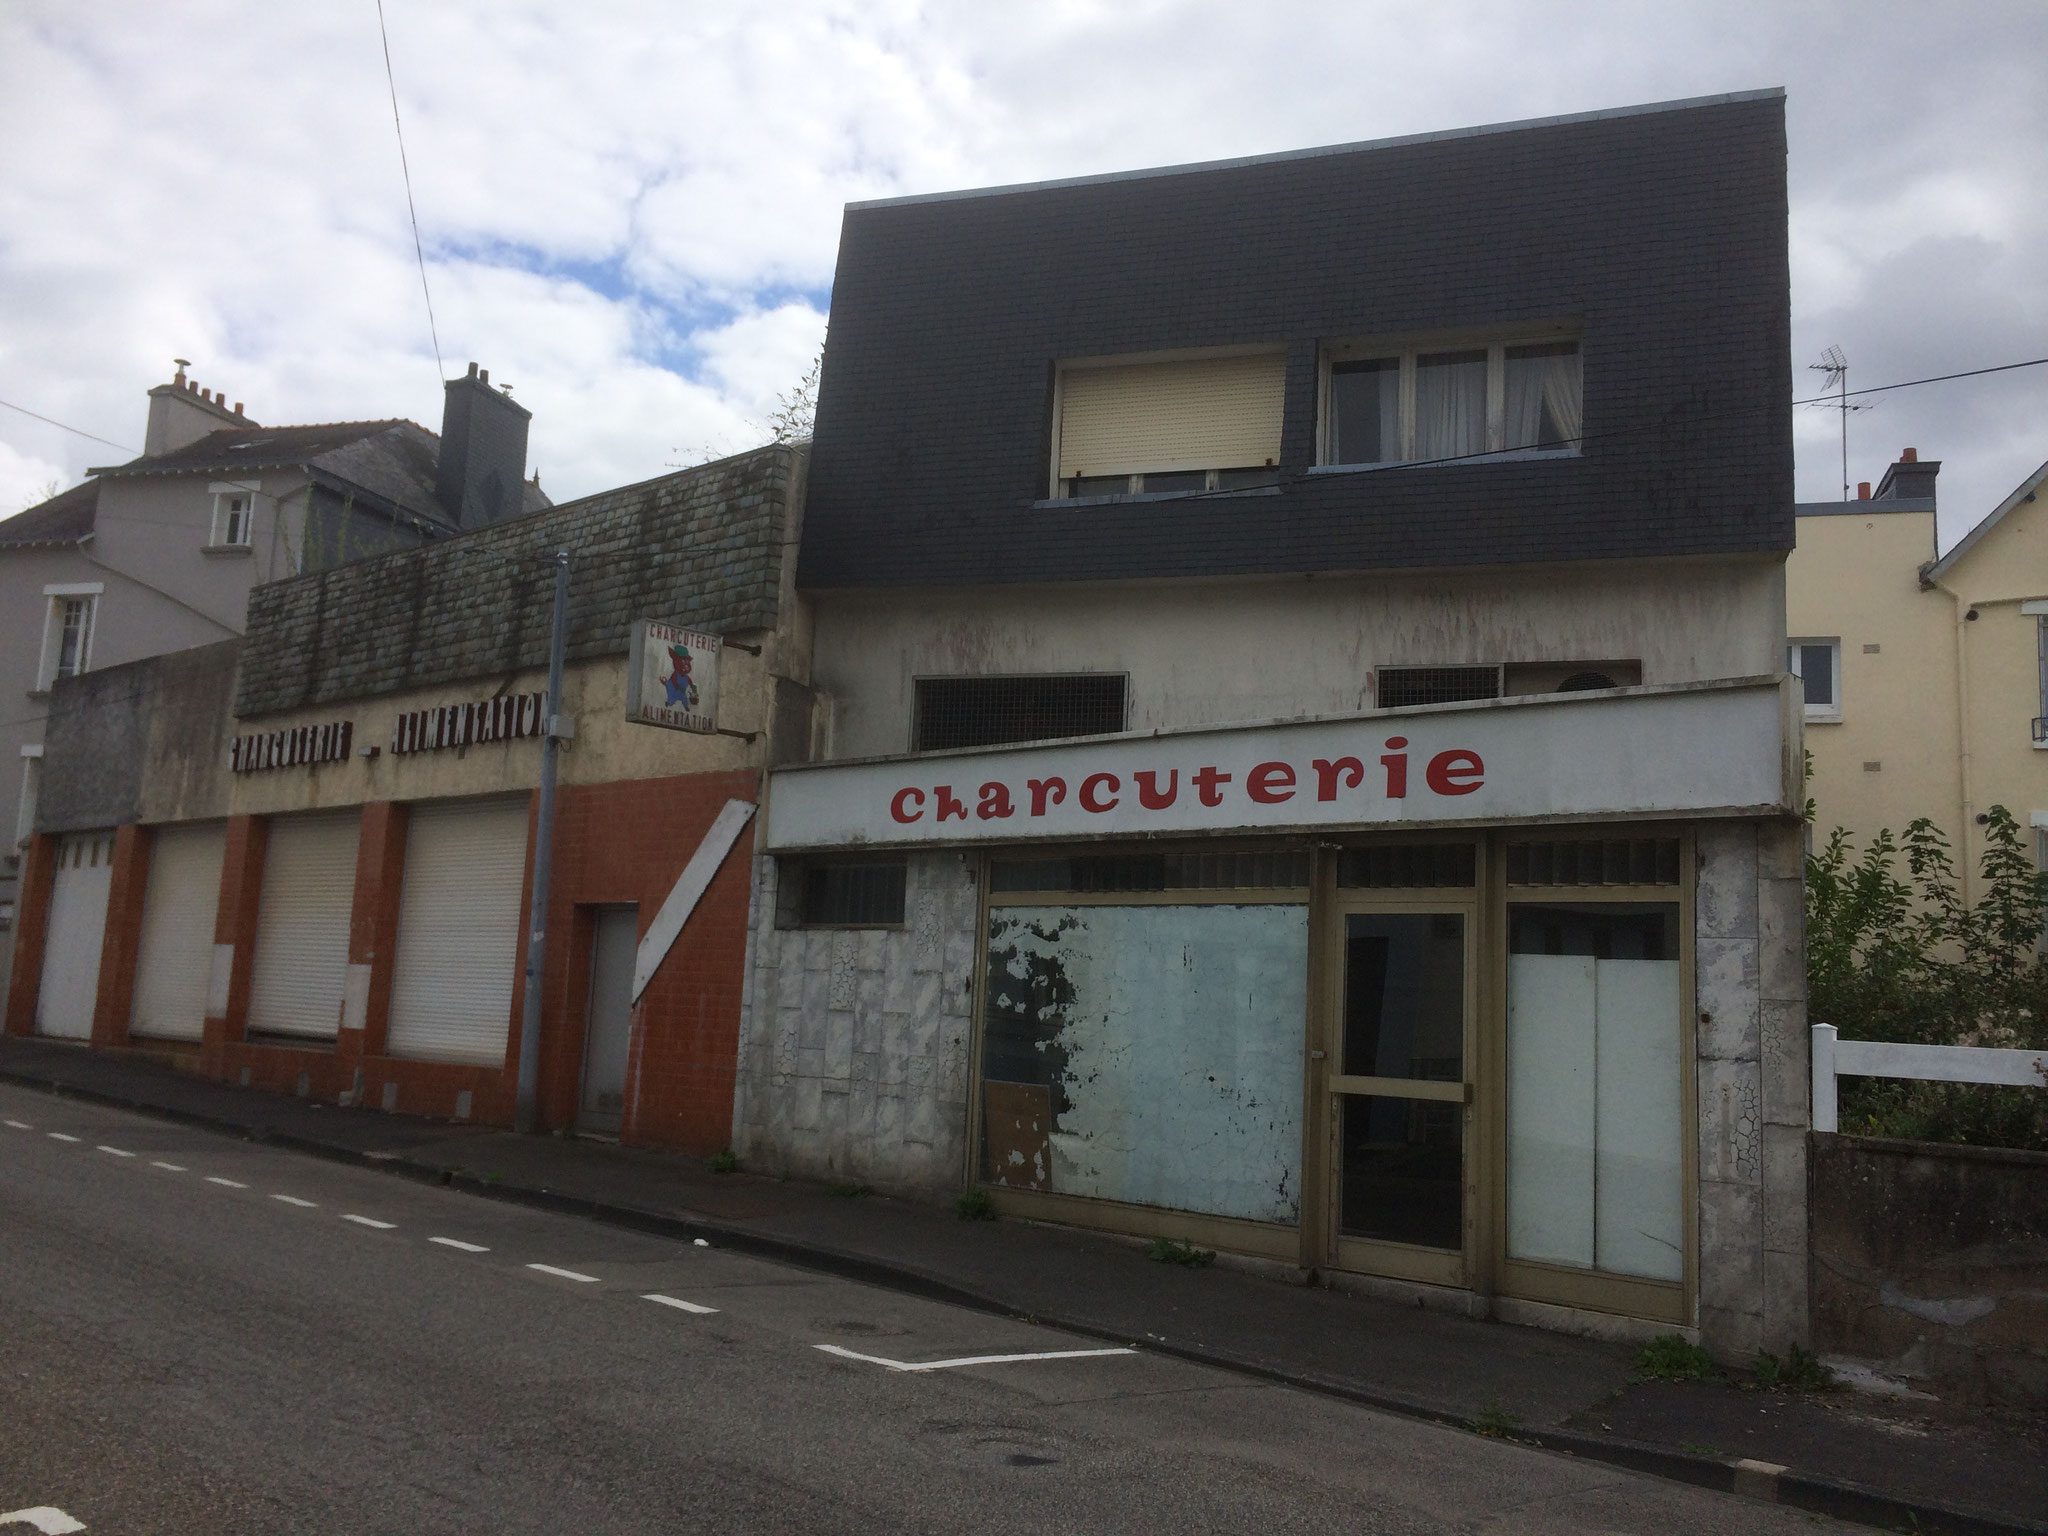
pixel 1659 234
pixel 391 459
pixel 702 548
pixel 64 519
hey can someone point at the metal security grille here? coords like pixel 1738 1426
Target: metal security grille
pixel 1405 687
pixel 852 895
pixel 1407 865
pixel 983 711
pixel 1283 868
pixel 1610 861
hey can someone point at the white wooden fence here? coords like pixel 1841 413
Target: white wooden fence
pixel 1833 1056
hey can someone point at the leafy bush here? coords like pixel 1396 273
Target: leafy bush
pixel 975 1205
pixel 1669 1357
pixel 1164 1250
pixel 1892 957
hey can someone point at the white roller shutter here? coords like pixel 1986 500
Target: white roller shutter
pixel 175 958
pixel 309 886
pixel 458 931
pixel 1147 418
pixel 78 927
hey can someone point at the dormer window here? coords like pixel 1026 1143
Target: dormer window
pixel 1180 425
pixel 1431 404
pixel 234 516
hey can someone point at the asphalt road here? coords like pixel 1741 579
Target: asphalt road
pixel 204 1335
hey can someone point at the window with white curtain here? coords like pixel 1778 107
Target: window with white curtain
pixel 1427 404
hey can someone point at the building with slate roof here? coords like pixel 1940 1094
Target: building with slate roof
pixel 1311 770
pixel 309 849
pixel 160 553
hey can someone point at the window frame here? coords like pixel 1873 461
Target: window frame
pixel 220 534
pixel 1066 365
pixel 31 793
pixel 57 598
pixel 793 889
pixel 1404 350
pixel 1817 714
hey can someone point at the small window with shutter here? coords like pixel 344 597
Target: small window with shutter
pixel 1177 427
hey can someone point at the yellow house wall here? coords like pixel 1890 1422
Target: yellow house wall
pixel 1856 578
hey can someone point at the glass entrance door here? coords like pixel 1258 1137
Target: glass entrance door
pixel 1399 1091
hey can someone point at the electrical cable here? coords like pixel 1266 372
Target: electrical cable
pixel 419 253
pixel 80 432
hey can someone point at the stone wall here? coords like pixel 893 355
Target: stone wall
pixel 1750 950
pixel 855 1043
pixel 1933 1260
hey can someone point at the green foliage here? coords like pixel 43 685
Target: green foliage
pixel 1668 1357
pixel 725 1162
pixel 975 1205
pixel 1799 1371
pixel 1495 1423
pixel 1893 956
pixel 1164 1250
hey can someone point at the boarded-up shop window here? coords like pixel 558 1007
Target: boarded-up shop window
pixel 1148 1054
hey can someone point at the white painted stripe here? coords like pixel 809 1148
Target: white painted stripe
pixel 60 1136
pixel 169 1167
pixel 48 1520
pixel 678 1303
pixel 224 1183
pixel 450 1242
pixel 21 1125
pixel 117 1151
pixel 689 888
pixel 566 1274
pixel 947 1365
pixel 366 1221
pixel 295 1200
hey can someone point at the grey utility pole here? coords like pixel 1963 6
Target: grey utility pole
pixel 526 1114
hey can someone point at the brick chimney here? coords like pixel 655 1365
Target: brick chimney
pixel 481 475
pixel 1909 479
pixel 181 413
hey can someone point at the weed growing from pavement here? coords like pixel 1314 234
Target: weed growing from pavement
pixel 724 1162
pixel 1799 1371
pixel 1164 1250
pixel 1668 1357
pixel 975 1205
pixel 1495 1423
pixel 848 1191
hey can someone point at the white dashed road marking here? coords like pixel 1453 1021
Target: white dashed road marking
pixel 169 1167
pixel 678 1303
pixel 116 1151
pixel 295 1200
pixel 21 1125
pixel 947 1365
pixel 60 1136
pixel 566 1274
pixel 449 1242
pixel 365 1221
pixel 212 1178
pixel 51 1522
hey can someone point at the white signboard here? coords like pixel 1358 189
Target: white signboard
pixel 672 677
pixel 1665 751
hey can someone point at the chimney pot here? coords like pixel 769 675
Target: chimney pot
pixel 1863 490
pixel 472 370
pixel 1909 455
pixel 484 377
pixel 238 407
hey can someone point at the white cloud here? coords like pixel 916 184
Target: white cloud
pixel 631 211
pixel 26 480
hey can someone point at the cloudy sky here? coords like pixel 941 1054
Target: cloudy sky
pixel 630 210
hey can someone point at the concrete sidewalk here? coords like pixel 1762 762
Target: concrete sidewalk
pixel 1881 1461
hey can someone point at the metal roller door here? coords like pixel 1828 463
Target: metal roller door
pixel 175 958
pixel 458 931
pixel 309 885
pixel 78 927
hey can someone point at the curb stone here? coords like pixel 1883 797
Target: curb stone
pixel 1764 1481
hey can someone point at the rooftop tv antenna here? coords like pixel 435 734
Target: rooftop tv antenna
pixel 1836 367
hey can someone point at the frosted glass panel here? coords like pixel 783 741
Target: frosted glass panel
pixel 1148 1054
pixel 1640 1211
pixel 1595 1117
pixel 1551 1108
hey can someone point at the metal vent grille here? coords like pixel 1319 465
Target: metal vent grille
pixel 851 895
pixel 1283 869
pixel 1612 861
pixel 983 711
pixel 1405 687
pixel 1408 865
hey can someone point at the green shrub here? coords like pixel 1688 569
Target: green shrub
pixel 1668 1357
pixel 1797 1372
pixel 1164 1250
pixel 975 1205
pixel 725 1162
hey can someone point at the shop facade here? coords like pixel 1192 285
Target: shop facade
pixel 318 841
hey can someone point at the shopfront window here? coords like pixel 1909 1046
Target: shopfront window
pixel 1148 1053
pixel 1595 1113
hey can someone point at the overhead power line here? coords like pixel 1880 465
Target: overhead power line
pixel 61 427
pixel 419 253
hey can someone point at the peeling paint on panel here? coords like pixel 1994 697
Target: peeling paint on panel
pixel 1168 1040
